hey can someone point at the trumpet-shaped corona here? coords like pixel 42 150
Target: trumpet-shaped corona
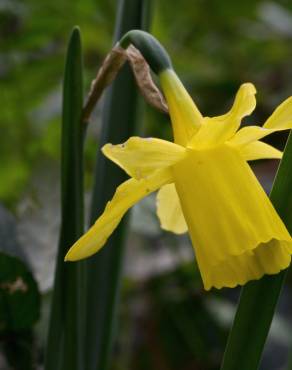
pixel 205 186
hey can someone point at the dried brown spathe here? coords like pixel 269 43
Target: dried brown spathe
pixel 105 75
pixel 144 80
pixel 109 70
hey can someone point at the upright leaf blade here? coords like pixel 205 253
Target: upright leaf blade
pixel 104 269
pixel 64 340
pixel 258 299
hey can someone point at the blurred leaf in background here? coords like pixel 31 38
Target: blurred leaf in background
pixel 33 37
pixel 19 299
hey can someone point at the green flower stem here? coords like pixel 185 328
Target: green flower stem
pixel 258 299
pixel 64 340
pixel 149 47
pixel 104 269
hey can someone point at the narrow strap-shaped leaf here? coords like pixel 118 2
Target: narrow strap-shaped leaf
pixel 289 362
pixel 258 299
pixel 64 339
pixel 104 269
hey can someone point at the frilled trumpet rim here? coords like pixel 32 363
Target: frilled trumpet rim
pixel 237 234
pixel 267 258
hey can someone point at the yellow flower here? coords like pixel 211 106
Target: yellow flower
pixel 205 186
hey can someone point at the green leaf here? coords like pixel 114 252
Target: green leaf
pixel 19 295
pixel 258 299
pixel 19 299
pixel 64 348
pixel 104 269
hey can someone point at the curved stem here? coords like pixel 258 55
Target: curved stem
pixel 149 47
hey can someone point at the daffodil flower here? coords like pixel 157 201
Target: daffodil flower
pixel 205 186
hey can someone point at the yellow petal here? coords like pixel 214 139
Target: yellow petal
pixel 139 157
pixel 185 116
pixel 249 134
pixel 244 103
pixel 230 218
pixel 126 195
pixel 281 117
pixel 169 210
pixel 259 150
pixel 217 130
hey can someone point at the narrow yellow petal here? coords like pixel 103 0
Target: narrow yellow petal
pixel 249 134
pixel 126 195
pixel 185 116
pixel 245 101
pixel 230 218
pixel 281 117
pixel 139 157
pixel 169 210
pixel 217 130
pixel 259 150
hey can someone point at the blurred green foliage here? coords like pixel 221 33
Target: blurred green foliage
pixel 33 36
pixel 179 331
pixel 19 296
pixel 19 311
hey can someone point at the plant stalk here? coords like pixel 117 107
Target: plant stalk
pixel 64 346
pixel 103 271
